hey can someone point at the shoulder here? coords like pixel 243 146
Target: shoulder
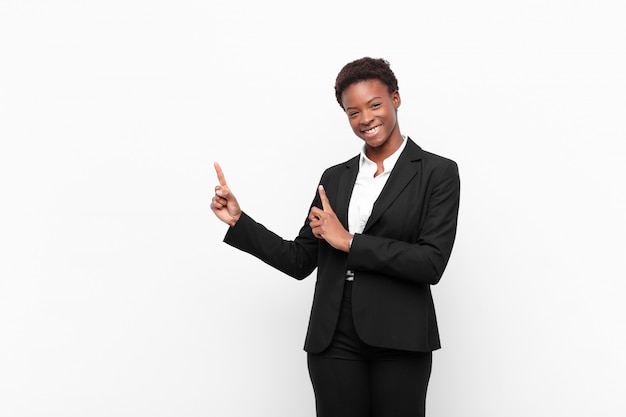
pixel 416 152
pixel 431 161
pixel 439 161
pixel 342 167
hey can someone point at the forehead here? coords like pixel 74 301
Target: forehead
pixel 363 92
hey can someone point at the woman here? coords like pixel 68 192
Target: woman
pixel 380 232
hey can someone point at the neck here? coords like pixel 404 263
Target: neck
pixel 383 152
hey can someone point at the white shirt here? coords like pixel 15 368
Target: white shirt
pixel 367 188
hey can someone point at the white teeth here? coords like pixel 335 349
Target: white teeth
pixel 372 130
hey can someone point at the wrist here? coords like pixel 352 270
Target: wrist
pixel 234 219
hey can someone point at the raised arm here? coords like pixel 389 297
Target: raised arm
pixel 224 204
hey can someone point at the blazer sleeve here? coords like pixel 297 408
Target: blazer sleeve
pixel 424 260
pixel 296 258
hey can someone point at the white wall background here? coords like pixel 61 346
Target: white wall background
pixel 117 296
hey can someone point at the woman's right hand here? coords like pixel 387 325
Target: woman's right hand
pixel 224 204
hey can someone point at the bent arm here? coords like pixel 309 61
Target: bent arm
pixel 424 260
pixel 296 258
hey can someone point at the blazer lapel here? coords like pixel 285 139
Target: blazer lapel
pixel 344 190
pixel 403 172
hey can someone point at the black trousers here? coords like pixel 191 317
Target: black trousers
pixel 352 379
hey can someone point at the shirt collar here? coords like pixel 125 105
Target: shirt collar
pixel 388 163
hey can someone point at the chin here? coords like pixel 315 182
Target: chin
pixel 374 143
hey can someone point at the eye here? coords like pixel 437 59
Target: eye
pixel 352 113
pixel 376 105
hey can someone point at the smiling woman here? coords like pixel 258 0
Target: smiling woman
pixel 372 112
pixel 380 231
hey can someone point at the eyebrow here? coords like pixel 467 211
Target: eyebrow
pixel 369 101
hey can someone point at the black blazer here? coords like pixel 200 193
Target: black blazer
pixel 402 251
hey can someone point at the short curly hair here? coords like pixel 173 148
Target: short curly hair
pixel 365 69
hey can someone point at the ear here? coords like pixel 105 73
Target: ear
pixel 395 97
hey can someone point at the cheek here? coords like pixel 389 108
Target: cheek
pixel 354 124
pixel 356 130
pixel 391 118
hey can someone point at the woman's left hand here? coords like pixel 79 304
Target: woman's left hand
pixel 325 225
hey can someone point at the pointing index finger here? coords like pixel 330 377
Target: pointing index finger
pixel 220 174
pixel 324 198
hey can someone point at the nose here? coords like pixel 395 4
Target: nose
pixel 366 117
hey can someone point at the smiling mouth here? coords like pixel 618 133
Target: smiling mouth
pixel 372 131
